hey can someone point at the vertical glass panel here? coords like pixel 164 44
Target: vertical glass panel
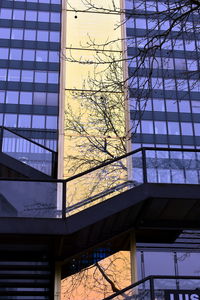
pixel 28 55
pixel 4 33
pixel 52 99
pixel 41 55
pixel 158 105
pixel 27 76
pixel 147 126
pixel 12 97
pixel 197 129
pixel 51 122
pixel 17 34
pixel 3 53
pixel 15 54
pixel 3 74
pixel 5 13
pixel 13 75
pixel 188 263
pixel 186 128
pixel 41 76
pixel 160 127
pixel 38 121
pixel 31 15
pixel 171 105
pixel 54 36
pixel 184 106
pixel 55 17
pixel 42 35
pixel 53 77
pixel 25 98
pixel 173 128
pixel 39 98
pixel 43 16
pixel 196 106
pixel 158 263
pixel 53 56
pixel 2 96
pixel 29 34
pixel 18 14
pixel 10 120
pixel 24 121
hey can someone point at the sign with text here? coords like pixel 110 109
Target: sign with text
pixel 182 294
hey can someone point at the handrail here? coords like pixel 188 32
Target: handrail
pixel 151 277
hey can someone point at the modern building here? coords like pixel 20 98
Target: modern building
pixel 59 58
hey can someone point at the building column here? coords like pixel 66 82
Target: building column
pixel 57 282
pixel 133 258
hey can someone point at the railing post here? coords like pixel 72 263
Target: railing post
pixel 151 283
pixel 144 165
pixel 64 195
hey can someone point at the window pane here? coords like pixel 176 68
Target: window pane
pixel 31 15
pixel 53 56
pixel 3 53
pixel 3 74
pixel 41 55
pixel 30 35
pixel 52 77
pixel 54 36
pixel 27 76
pixel 171 105
pixel 41 76
pixel 25 98
pixel 12 97
pixel 14 75
pixel 42 35
pixel 147 126
pixel 28 54
pixel 15 54
pixel 160 127
pixel 10 120
pixel 18 14
pixel 195 106
pixel 2 96
pixel 38 121
pixel 184 106
pixel 186 128
pixel 5 13
pixel 43 16
pixel 51 122
pixel 39 98
pixel 197 129
pixel 52 99
pixel 24 121
pixel 17 34
pixel 173 128
pixel 55 17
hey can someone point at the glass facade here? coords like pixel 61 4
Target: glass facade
pixel 29 68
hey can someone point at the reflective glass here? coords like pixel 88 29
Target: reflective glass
pixel 51 122
pixel 15 54
pixel 12 97
pixel 42 35
pixel 53 56
pixel 28 55
pixel 31 15
pixel 18 14
pixel 3 53
pixel 27 76
pixel 24 121
pixel 197 129
pixel 54 36
pixel 52 77
pixel 2 96
pixel 55 17
pixel 160 127
pixel 195 106
pixel 13 75
pixel 17 34
pixel 29 35
pixel 52 99
pixel 41 55
pixel 5 13
pixel 39 98
pixel 173 128
pixel 186 128
pixel 10 120
pixel 4 33
pixel 184 106
pixel 3 74
pixel 38 121
pixel 25 98
pixel 43 16
pixel 171 105
pixel 41 76
pixel 147 126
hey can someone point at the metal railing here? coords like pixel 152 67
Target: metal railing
pixel 61 198
pixel 160 288
pixel 27 151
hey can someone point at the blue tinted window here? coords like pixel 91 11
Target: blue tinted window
pixel 4 33
pixel 5 13
pixel 173 128
pixel 41 55
pixel 55 17
pixel 13 75
pixel 18 14
pixel 52 77
pixel 12 97
pixel 39 98
pixel 54 36
pixel 25 98
pixel 31 15
pixel 43 16
pixel 28 54
pixel 52 99
pixel 24 121
pixel 3 53
pixel 2 96
pixel 15 54
pixel 41 76
pixel 38 121
pixel 3 74
pixel 53 56
pixel 42 35
pixel 30 35
pixel 186 128
pixel 17 34
pixel 51 122
pixel 10 120
pixel 27 76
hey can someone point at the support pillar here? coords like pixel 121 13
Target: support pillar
pixel 133 258
pixel 57 282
